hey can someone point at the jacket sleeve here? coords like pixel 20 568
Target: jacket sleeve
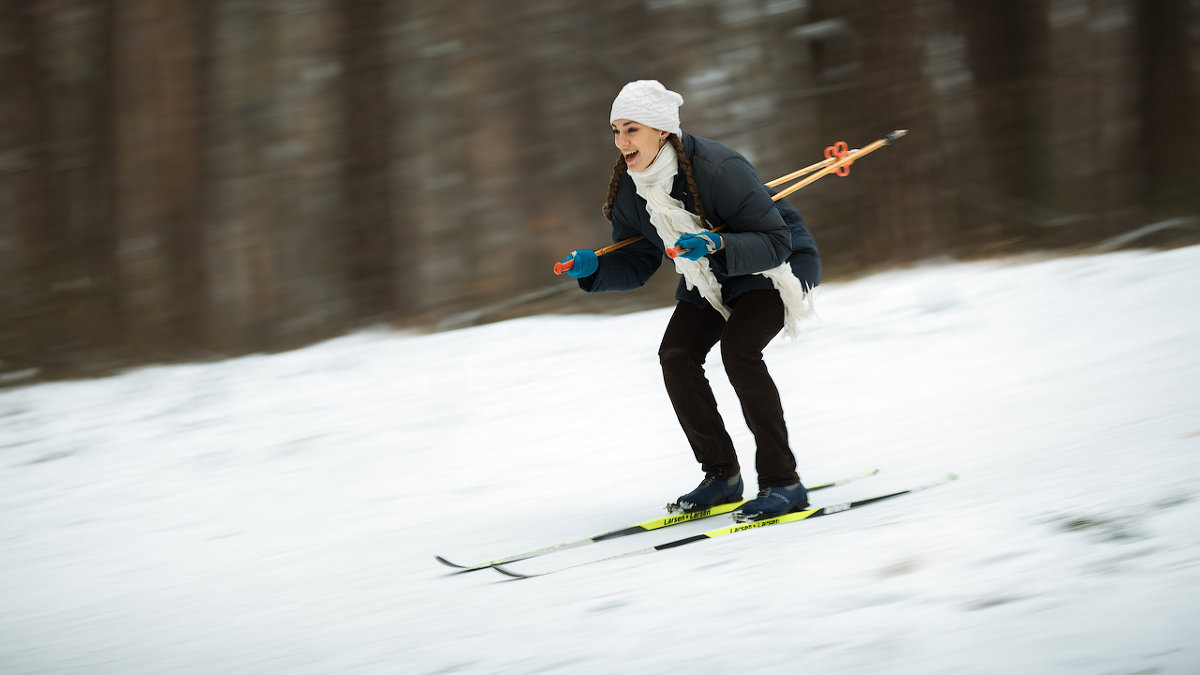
pixel 628 267
pixel 756 237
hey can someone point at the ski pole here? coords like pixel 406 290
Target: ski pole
pixel 565 265
pixel 838 159
pixel 808 169
pixel 844 161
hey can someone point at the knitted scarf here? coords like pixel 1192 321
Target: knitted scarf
pixel 671 220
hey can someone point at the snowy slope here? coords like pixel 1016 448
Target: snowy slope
pixel 280 514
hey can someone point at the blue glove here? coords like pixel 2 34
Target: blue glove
pixel 585 264
pixel 696 246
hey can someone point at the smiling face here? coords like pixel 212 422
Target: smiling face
pixel 638 143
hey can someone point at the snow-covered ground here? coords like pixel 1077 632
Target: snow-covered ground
pixel 280 514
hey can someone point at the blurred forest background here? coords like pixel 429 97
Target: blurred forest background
pixel 191 179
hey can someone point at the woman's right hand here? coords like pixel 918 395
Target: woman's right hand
pixel 581 263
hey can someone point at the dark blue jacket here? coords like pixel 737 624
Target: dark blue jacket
pixel 759 234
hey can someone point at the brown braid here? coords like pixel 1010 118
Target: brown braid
pixel 618 171
pixel 684 163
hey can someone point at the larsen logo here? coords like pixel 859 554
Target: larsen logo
pixel 754 524
pixel 684 517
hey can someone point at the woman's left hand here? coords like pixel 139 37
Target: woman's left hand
pixel 696 246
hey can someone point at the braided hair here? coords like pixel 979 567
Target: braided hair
pixel 685 165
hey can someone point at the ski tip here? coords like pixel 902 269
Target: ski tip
pixel 447 563
pixel 507 572
pixel 460 568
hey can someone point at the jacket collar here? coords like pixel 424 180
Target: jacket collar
pixel 689 144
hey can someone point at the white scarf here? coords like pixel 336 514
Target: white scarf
pixel 671 220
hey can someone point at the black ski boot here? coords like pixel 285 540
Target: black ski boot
pixel 710 492
pixel 774 501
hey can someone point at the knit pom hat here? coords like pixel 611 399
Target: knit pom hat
pixel 648 102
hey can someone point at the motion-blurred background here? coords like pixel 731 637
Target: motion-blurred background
pixel 190 179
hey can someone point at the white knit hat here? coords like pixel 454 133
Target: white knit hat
pixel 648 102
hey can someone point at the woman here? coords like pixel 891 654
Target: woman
pixel 740 286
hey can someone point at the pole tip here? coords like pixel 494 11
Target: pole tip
pixel 895 135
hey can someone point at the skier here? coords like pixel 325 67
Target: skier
pixel 740 287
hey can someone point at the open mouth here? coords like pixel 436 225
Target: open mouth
pixel 630 156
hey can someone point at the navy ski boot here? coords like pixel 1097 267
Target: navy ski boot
pixel 710 492
pixel 774 501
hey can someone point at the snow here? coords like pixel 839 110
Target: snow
pixel 280 514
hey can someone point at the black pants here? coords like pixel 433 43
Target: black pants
pixel 755 319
